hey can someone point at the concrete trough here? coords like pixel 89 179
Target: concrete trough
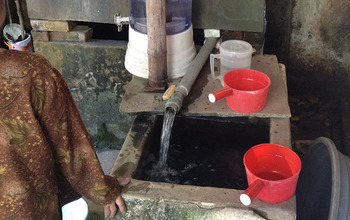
pixel 160 200
pixel 149 199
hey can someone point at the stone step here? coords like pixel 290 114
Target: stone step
pixel 51 25
pixel 79 33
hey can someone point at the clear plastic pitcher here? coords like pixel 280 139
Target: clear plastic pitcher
pixel 178 15
pixel 234 54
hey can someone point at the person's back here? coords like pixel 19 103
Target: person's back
pixel 41 132
pixel 27 170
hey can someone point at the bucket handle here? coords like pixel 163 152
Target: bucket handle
pixel 212 59
pixel 213 97
pixel 251 192
pixel 10 46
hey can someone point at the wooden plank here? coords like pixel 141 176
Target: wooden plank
pixel 234 15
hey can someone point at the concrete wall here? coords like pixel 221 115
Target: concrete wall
pixel 278 28
pixel 95 74
pixel 235 15
pixel 320 41
pixel 312 39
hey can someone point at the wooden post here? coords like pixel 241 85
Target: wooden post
pixel 157 48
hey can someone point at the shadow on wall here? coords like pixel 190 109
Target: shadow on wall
pixel 320 46
pixel 311 38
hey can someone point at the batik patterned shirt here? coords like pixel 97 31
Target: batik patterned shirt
pixel 41 135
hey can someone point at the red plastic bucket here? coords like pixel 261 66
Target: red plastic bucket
pixel 245 90
pixel 272 173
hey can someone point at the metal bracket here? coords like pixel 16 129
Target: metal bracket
pixel 119 21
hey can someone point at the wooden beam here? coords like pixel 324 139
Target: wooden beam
pixel 157 47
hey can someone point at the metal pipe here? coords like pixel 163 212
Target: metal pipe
pixel 185 85
pixel 119 21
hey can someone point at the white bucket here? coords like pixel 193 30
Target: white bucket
pixel 15 31
pixel 76 210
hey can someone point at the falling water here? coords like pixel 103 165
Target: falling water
pixel 168 121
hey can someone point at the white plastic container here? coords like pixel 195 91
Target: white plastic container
pixel 234 54
pixel 178 15
pixel 75 210
pixel 15 31
pixel 180 53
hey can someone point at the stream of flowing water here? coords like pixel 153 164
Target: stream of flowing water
pixel 168 120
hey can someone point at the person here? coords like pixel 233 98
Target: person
pixel 43 143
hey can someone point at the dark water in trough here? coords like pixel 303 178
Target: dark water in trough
pixel 204 151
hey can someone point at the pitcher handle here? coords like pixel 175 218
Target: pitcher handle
pixel 251 192
pixel 212 59
pixel 215 96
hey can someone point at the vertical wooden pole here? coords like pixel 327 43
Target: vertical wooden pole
pixel 157 48
pixel 20 17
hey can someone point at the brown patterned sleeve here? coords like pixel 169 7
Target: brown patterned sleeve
pixel 70 142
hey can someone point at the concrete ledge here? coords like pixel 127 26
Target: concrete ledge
pixel 78 34
pixel 136 100
pixel 50 25
pixel 280 132
pixel 40 35
pixel 193 202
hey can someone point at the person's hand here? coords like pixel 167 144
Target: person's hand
pixel 112 208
